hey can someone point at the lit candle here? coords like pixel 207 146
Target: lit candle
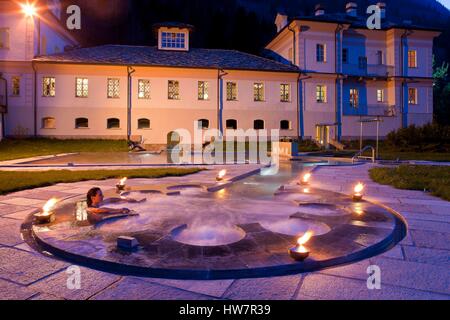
pixel 357 194
pixel 305 179
pixel 300 252
pixel 220 176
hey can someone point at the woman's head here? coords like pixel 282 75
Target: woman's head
pixel 94 196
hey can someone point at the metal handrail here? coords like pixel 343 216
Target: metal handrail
pixel 358 155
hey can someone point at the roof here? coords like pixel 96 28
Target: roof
pixel 172 24
pixel 152 56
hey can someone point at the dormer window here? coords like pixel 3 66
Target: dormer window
pixel 173 36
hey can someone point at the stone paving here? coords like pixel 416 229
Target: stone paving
pixel 417 268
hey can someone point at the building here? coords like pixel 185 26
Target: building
pixel 329 78
pixel 353 77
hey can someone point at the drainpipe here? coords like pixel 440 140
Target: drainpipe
pixel 404 88
pixel 130 72
pixel 338 71
pixel 35 100
pixel 300 105
pixel 294 55
pixel 220 74
pixel 3 134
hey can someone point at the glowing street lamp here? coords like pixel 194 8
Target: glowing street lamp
pixel 29 9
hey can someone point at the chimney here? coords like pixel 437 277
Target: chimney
pixel 319 10
pixel 352 9
pixel 281 21
pixel 382 7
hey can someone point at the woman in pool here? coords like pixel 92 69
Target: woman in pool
pixel 97 213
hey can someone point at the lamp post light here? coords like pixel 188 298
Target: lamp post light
pixel 30 11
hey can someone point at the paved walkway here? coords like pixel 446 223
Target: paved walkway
pixel 418 268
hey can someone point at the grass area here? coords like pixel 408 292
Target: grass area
pixel 435 179
pixel 16 181
pixel 23 148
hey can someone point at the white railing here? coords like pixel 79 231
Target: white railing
pixel 383 110
pixel 380 70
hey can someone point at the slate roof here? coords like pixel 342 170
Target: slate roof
pixel 151 56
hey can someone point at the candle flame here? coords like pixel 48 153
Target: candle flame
pixel 49 206
pixel 222 173
pixel 359 187
pixel 122 181
pixel 305 238
pixel 306 177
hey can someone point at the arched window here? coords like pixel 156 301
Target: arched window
pixel 81 123
pixel 143 123
pixel 203 124
pixel 113 123
pixel 231 124
pixel 258 124
pixel 285 125
pixel 48 123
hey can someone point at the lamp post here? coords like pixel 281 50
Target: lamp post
pixel 30 11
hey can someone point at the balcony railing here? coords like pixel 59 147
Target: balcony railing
pixel 383 110
pixel 378 70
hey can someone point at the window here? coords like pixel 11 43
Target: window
pixel 113 123
pixel 412 59
pixel 82 87
pixel 285 125
pixel 48 86
pixel 362 62
pixel 231 91
pixel 380 57
pixel 412 95
pixel 321 94
pixel 81 123
pixel 231 124
pixel 354 98
pixel 15 86
pixel 203 124
pixel 345 55
pixel 144 89
pixel 4 38
pixel 285 92
pixel 258 91
pixel 173 40
pixel 174 90
pixel 203 90
pixel 113 88
pixel 321 53
pixel 143 123
pixel 380 95
pixel 258 124
pixel 48 123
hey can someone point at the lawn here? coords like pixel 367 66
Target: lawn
pixel 23 148
pixel 16 181
pixel 434 179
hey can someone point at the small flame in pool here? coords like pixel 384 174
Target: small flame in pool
pixel 122 181
pixel 302 240
pixel 221 174
pixel 49 206
pixel 306 177
pixel 359 188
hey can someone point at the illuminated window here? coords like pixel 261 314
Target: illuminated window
pixel 48 86
pixel 203 90
pixel 231 91
pixel 174 90
pixel 144 89
pixel 321 94
pixel 258 124
pixel 81 123
pixel 285 92
pixel 15 86
pixel 258 91
pixel 113 88
pixel 203 124
pixel 320 53
pixel 4 38
pixel 380 95
pixel 82 87
pixel 113 123
pixel 412 58
pixel 354 98
pixel 173 40
pixel 412 95
pixel 48 123
pixel 285 125
pixel 231 124
pixel 143 123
